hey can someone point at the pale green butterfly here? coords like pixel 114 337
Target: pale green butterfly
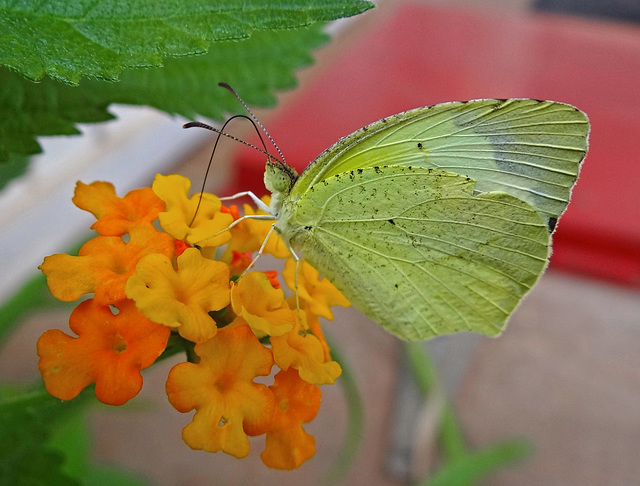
pixel 437 219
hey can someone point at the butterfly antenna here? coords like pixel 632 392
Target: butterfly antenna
pixel 229 88
pixel 220 133
pixel 263 150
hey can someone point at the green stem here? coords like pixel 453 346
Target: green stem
pixel 451 437
pixel 355 421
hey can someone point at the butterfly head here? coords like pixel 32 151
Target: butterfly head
pixel 279 179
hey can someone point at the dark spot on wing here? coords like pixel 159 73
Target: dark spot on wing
pixel 392 222
pixel 419 145
pixel 552 224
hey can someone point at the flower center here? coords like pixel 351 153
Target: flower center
pixel 119 345
pixel 224 383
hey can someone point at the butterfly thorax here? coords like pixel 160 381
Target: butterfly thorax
pixel 279 180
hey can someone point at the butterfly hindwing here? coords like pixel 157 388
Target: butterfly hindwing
pixel 527 148
pixel 416 250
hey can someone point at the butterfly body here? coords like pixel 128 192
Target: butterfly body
pixel 438 219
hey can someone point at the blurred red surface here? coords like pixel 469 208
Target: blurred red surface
pixel 419 55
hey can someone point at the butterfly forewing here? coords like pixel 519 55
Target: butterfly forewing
pixel 417 251
pixel 527 148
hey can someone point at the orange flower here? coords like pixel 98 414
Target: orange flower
pixel 297 401
pixel 272 275
pixel 179 247
pixel 316 294
pixel 263 307
pixel 103 265
pixel 239 262
pixel 301 350
pixel 110 351
pixel 116 215
pixel 228 404
pixel 184 297
pixel 208 226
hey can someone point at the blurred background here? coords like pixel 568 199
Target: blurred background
pixel 566 372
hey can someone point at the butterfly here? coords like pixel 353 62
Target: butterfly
pixel 438 219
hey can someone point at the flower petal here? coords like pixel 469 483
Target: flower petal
pixel 115 215
pixel 110 351
pixel 316 294
pixel 184 297
pixel 221 390
pixel 103 265
pixel 263 307
pixel 303 351
pixel 207 228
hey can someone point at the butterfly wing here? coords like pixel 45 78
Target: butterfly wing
pixel 527 148
pixel 417 251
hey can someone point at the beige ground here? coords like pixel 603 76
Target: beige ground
pixel 566 374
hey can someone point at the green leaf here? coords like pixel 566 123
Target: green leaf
pixel 71 437
pixel 255 67
pixel 68 40
pixel 110 476
pixel 26 421
pixel 470 469
pixel 15 166
pixel 48 108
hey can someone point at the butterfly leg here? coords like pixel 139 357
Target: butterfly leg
pixel 256 200
pixel 261 250
pixel 297 260
pixel 240 220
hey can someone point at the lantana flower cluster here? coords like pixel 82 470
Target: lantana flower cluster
pixel 185 285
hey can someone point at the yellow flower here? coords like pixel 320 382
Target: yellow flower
pixel 316 294
pixel 228 404
pixel 103 265
pixel 181 298
pixel 301 350
pixel 209 225
pixel 263 307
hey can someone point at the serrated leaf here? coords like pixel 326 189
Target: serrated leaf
pixel 68 40
pixel 29 110
pixel 255 67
